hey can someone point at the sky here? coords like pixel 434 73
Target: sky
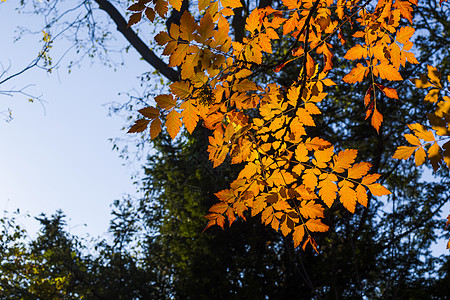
pixel 57 154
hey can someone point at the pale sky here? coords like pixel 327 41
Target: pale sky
pixel 60 157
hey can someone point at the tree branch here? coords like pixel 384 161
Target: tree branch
pixel 147 54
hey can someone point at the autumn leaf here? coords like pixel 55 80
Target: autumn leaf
pixel 347 195
pixel 173 123
pixel 316 225
pixel 165 101
pixel 155 128
pixel 377 119
pixel 378 190
pixel 356 74
pixel 404 152
pixel 298 235
pixel 312 210
pixel 343 160
pixel 139 126
pixel 359 170
pixel 190 115
pixel 387 71
pixel 149 112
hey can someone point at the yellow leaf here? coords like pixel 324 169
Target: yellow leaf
pixel 252 22
pixel 359 170
pixel 244 86
pixel 176 4
pixel 422 132
pixel 298 235
pixel 249 170
pixel 179 55
pixel 404 152
pixel 412 139
pixel 419 156
pixel 316 225
pixel 155 128
pixel 231 3
pixel 202 4
pixel 301 153
pixel 432 96
pixel 161 7
pixel 435 76
pixel 310 179
pixel 435 156
pixel 285 230
pixel 344 159
pixel 316 144
pixel 173 123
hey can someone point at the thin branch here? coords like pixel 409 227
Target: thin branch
pixel 147 54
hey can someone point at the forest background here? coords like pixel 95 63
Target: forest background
pixel 158 249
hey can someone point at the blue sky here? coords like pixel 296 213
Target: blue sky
pixel 60 157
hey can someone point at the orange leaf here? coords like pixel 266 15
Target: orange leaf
pixel 219 208
pixel 387 71
pixel 176 4
pixel 316 225
pixel 149 112
pixel 369 179
pixel 155 128
pixel 419 156
pixel 173 123
pixel 378 190
pixel 165 101
pixel 389 92
pixel 344 159
pixel 328 189
pixel 231 3
pixel 190 115
pixel 356 74
pixel 298 235
pixel 311 210
pixel 377 119
pixel 347 195
pixel 139 126
pixel 404 34
pixel 181 89
pixel 359 170
pixel 404 152
pixel 322 157
pixel 361 195
pixel 356 52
